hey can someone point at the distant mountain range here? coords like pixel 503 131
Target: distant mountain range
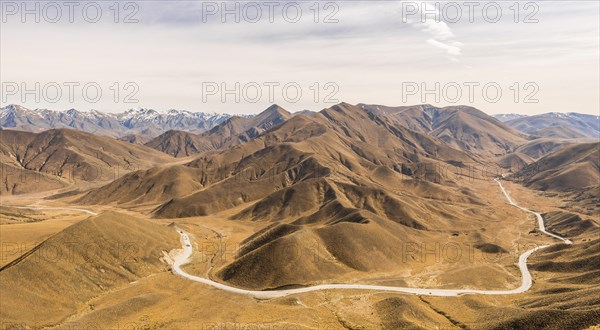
pixel 455 125
pixel 142 125
pixel 233 131
pixel 141 121
pixel 568 125
pixel 508 116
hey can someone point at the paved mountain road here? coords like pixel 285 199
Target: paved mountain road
pixel 526 279
pixel 41 208
pixel 538 216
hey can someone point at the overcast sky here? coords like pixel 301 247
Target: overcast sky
pixel 181 55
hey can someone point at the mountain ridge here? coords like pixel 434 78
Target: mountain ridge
pixel 140 121
pixel 556 124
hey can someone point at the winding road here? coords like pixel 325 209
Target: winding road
pixel 526 279
pixel 56 209
pixel 538 216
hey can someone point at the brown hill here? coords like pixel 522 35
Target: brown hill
pixel 559 124
pixel 539 148
pixel 405 312
pixel 345 140
pixel 237 130
pixel 571 225
pixel 15 178
pixel 59 276
pixel 340 175
pixel 514 161
pixel 333 176
pixel 277 150
pixel 572 172
pixel 461 127
pixel 565 291
pixel 343 219
pixel 178 143
pixel 155 185
pixel 573 286
pixel 75 156
pixel 573 167
pixel 571 260
pixel 135 138
pixel 559 132
pixel 233 131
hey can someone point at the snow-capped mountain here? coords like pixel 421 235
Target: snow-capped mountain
pixel 555 124
pixel 508 116
pixel 140 121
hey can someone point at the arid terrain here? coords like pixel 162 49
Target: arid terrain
pixel 405 197
pixel 279 165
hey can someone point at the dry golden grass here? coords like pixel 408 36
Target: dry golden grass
pixel 22 230
pixel 91 257
pixel 162 300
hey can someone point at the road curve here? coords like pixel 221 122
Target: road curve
pixel 526 279
pixel 56 209
pixel 540 219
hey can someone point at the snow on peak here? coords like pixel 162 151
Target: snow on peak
pixel 136 119
pixel 558 115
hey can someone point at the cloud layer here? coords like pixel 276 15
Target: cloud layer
pixel 368 50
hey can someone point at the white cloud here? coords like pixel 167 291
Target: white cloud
pixel 440 30
pixel 441 35
pixel 453 48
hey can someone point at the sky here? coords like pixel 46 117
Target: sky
pixel 241 57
